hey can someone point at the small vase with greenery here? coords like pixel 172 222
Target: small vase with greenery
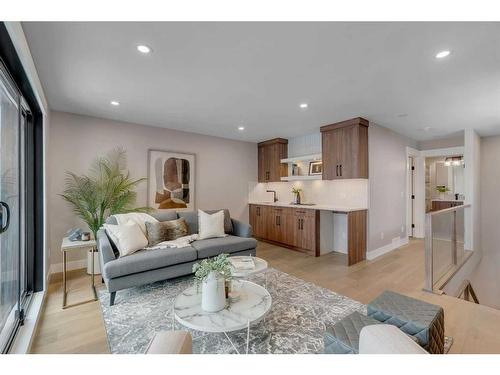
pixel 214 276
pixel 106 190
pixel 220 264
pixel 296 192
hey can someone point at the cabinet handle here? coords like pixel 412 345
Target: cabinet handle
pixel 298 222
pixel 278 218
pixel 340 170
pixel 337 170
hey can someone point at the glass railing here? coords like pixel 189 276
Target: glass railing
pixel 446 245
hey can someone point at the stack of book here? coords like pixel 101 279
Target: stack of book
pixel 243 264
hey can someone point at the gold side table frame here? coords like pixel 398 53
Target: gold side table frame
pixel 66 246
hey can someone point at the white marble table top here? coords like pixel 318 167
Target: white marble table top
pixel 67 244
pixel 260 266
pixel 254 303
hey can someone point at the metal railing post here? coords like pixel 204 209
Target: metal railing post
pixel 454 239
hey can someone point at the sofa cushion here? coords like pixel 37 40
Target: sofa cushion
pixel 146 260
pixel 165 231
pixel 215 246
pixel 191 218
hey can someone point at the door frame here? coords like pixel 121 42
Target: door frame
pixel 419 184
pixel 418 191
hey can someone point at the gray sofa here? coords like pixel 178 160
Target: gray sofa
pixel 147 266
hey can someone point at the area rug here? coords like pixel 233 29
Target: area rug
pixel 299 315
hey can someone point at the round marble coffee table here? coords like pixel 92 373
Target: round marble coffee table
pixel 252 306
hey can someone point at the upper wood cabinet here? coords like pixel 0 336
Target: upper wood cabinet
pixel 270 154
pixel 345 149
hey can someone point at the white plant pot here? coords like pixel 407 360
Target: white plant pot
pixel 97 266
pixel 213 294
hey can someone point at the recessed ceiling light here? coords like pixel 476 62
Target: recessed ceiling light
pixel 241 128
pixel 115 103
pixel 442 54
pixel 143 49
pixel 303 105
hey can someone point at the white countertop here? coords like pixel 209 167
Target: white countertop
pixel 322 207
pixel 447 200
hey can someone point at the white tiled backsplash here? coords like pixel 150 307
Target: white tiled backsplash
pixel 342 193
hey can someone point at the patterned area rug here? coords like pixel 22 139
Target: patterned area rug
pixel 298 318
pixel 295 324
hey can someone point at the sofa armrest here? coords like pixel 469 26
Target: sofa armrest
pixel 106 253
pixel 241 229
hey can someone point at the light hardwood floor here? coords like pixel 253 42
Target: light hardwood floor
pixel 473 327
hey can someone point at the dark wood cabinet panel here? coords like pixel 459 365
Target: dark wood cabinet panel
pixel 345 149
pixel 270 153
pixel 356 236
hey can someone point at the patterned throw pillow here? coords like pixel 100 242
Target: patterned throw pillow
pixel 166 231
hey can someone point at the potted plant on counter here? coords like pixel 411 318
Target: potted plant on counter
pixel 442 190
pixel 296 194
pixel 213 274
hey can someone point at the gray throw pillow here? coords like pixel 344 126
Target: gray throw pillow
pixel 166 230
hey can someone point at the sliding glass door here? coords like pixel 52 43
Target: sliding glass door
pixel 11 209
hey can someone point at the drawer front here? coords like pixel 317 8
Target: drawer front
pixel 304 212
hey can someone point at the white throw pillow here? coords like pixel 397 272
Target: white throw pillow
pixel 128 238
pixel 210 226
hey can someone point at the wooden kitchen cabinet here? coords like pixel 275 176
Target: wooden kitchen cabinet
pixel 345 149
pixel 259 217
pixel 306 230
pixel 270 153
pixel 297 229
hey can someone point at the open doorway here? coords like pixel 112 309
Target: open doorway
pixel 444 182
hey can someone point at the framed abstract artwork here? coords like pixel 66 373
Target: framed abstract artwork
pixel 315 168
pixel 171 180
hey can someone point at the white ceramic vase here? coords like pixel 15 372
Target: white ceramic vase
pixel 213 294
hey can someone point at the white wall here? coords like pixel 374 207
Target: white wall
pixel 472 176
pixel 453 141
pixel 490 195
pixel 387 179
pixel 223 166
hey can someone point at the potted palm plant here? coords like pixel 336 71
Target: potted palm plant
pixel 106 190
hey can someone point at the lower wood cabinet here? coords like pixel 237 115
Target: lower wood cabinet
pixel 295 228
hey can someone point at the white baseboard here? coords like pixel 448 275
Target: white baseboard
pixel 73 265
pixel 386 248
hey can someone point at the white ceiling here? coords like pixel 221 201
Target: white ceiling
pixel 211 77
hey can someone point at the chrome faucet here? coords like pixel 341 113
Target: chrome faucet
pixel 275 199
